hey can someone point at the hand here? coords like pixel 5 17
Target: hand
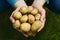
pixel 39 5
pixel 18 5
pixel 13 20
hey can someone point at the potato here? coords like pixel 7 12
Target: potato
pixel 31 18
pixel 25 27
pixel 17 15
pixel 30 8
pixel 36 25
pixel 24 18
pixel 16 24
pixel 34 11
pixel 23 10
pixel 30 33
pixel 37 16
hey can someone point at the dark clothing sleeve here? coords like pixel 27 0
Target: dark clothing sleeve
pixel 4 4
pixel 54 5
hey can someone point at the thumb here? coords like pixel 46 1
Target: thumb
pixel 12 19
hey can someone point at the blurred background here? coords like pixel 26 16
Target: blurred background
pixel 51 31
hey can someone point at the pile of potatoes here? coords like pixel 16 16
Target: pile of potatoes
pixel 27 20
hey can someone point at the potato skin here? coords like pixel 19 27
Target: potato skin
pixel 34 11
pixel 30 8
pixel 31 18
pixel 30 33
pixel 23 10
pixel 17 15
pixel 36 25
pixel 24 18
pixel 37 16
pixel 25 27
pixel 16 25
pixel 27 20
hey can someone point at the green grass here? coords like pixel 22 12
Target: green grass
pixel 51 31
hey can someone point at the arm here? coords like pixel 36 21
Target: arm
pixel 38 3
pixel 16 3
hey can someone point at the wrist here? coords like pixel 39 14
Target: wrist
pixel 16 3
pixel 37 7
pixel 20 3
pixel 39 2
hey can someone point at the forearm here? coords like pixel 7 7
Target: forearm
pixel 20 3
pixel 39 2
pixel 16 3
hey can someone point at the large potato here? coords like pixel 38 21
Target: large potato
pixel 17 15
pixel 34 11
pixel 24 18
pixel 23 10
pixel 25 27
pixel 37 16
pixel 30 8
pixel 16 25
pixel 31 18
pixel 36 25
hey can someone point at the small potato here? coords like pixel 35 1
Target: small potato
pixel 31 18
pixel 24 18
pixel 34 11
pixel 37 16
pixel 23 10
pixel 36 25
pixel 16 24
pixel 30 8
pixel 17 15
pixel 30 33
pixel 25 27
